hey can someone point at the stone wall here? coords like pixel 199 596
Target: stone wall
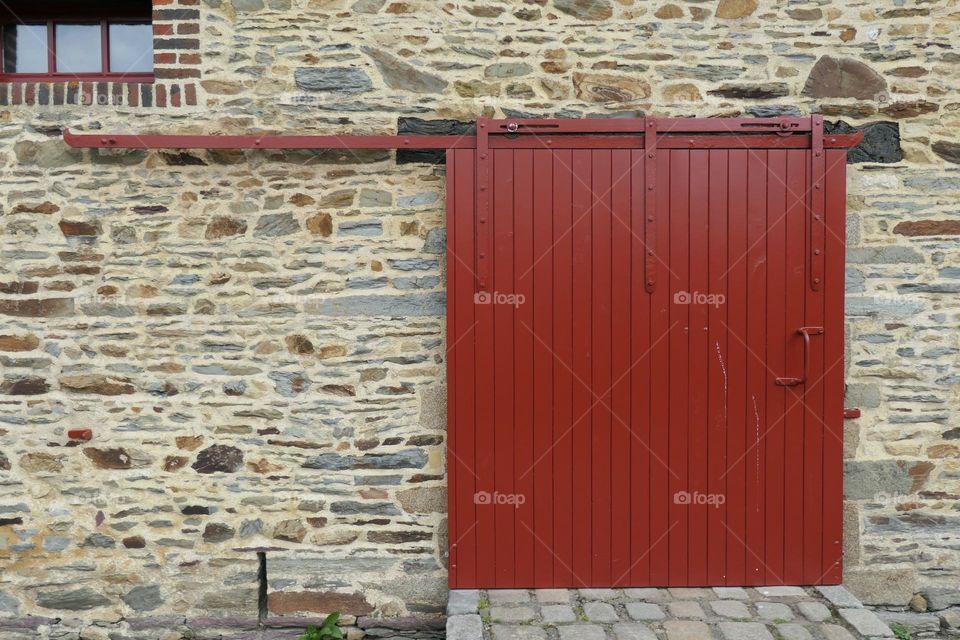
pixel 256 339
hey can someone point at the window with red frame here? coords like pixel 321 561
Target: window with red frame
pixel 63 41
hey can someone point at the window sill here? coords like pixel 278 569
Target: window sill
pixel 133 78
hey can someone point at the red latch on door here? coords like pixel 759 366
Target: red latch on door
pixel 806 332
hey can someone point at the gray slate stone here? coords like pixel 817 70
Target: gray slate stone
pixel 839 596
pixel 144 598
pixel 774 611
pixel 644 611
pixel 582 632
pixel 835 632
pixel 463 602
pixel 731 593
pixel 8 604
pixel 273 225
pixel 886 308
pixel 557 613
pixel 730 609
pixel 864 479
pixel 914 622
pixel 405 305
pixel 941 598
pixel 687 630
pixel 344 79
pixel 436 241
pixel 814 611
pixel 781 592
pixel 745 631
pixel 501 613
pixel 648 594
pixel 403 76
pixel 552 595
pixel 72 599
pixel 793 631
pixel 882 586
pixel 889 254
pixel 406 459
pixel 866 622
pixel 516 632
pixel 467 627
pixel 633 631
pixel 601 612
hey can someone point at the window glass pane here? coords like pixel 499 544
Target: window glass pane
pixel 78 48
pixel 25 48
pixel 131 47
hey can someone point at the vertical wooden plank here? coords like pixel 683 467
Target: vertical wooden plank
pixel 485 434
pixel 522 304
pixel 796 284
pixel 758 376
pixel 543 349
pixel 718 375
pixel 582 368
pixel 813 432
pixel 641 496
pixel 503 346
pixel 832 567
pixel 679 364
pixel 562 161
pixel 777 336
pixel 621 429
pixel 661 475
pixel 739 427
pixel 453 466
pixel 698 363
pixel 461 285
pixel 600 375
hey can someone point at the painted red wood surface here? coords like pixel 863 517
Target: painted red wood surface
pixel 603 435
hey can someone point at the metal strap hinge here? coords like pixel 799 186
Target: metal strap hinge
pixel 484 247
pixel 818 163
pixel 650 203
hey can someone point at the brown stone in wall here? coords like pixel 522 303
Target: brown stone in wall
pixel 37 308
pixel 45 208
pixel 219 457
pixel 24 386
pixel 299 345
pixel 223 227
pixel 19 288
pixel 928 228
pixel 909 109
pixel 173 463
pixel 99 384
pixel 134 542
pixel 117 458
pixel 286 602
pixel 74 228
pixel 599 87
pixel 844 78
pixel 586 9
pixel 320 224
pixel 733 9
pixel 949 151
pixel 27 342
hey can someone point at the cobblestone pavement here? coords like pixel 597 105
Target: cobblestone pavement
pixel 729 613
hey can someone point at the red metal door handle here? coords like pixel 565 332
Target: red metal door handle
pixel 806 332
